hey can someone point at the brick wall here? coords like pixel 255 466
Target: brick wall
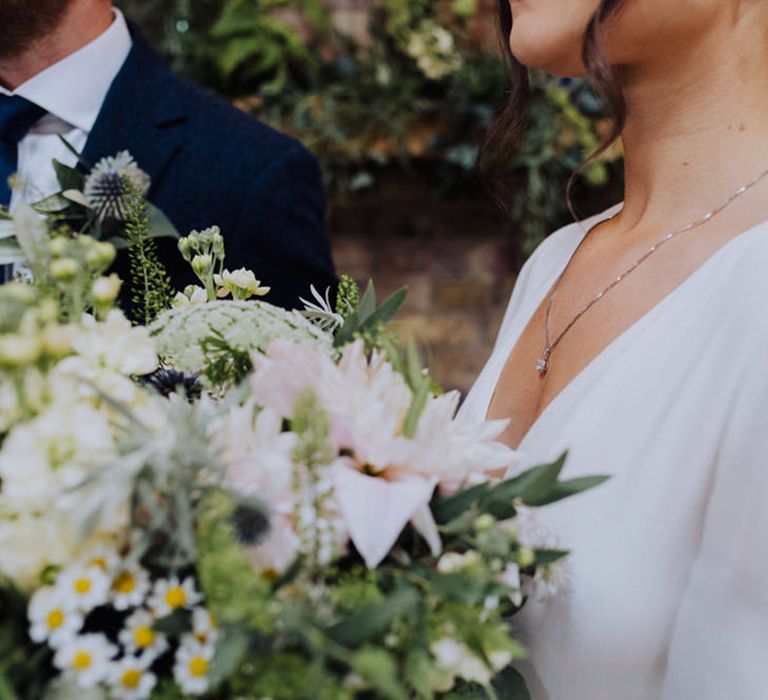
pixel 456 256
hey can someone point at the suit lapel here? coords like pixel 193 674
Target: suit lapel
pixel 144 113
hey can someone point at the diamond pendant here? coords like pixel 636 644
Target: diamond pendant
pixel 542 364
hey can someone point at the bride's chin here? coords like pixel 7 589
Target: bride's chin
pixel 536 51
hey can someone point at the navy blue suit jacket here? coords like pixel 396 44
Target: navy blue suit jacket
pixel 211 164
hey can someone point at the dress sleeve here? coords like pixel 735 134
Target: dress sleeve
pixel 719 646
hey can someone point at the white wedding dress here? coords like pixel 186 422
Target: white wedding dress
pixel 666 594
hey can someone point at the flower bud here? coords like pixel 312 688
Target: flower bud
pixel 57 246
pixel 57 339
pixel 106 289
pixel 525 557
pixel 64 269
pixel 185 248
pixel 101 255
pixel 17 350
pixel 201 264
pixel 47 311
pixel 484 522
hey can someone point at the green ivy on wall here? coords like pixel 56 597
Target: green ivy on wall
pixel 419 88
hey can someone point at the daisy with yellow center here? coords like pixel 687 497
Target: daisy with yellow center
pixel 171 594
pixel 204 626
pixel 53 617
pixel 192 665
pixel 87 588
pixel 140 638
pixel 131 679
pixel 129 588
pixel 85 659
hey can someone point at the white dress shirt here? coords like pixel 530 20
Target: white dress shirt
pixel 72 91
pixel 666 593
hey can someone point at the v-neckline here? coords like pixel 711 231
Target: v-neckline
pixel 510 344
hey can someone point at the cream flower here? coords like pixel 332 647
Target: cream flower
pixel 131 679
pixel 85 659
pixel 241 284
pixel 116 344
pixel 140 638
pixel 191 296
pixel 85 588
pixel 52 617
pixel 42 461
pixel 192 666
pixel 171 594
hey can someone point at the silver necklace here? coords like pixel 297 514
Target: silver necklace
pixel 542 364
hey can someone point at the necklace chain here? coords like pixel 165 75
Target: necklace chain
pixel 542 365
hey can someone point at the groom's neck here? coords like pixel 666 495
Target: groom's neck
pixel 83 22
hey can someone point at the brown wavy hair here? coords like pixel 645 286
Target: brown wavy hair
pixel 498 149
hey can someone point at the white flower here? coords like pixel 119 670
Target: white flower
pixel 101 555
pixel 105 188
pixel 320 311
pixel 511 577
pixel 130 586
pixel 171 594
pixel 191 295
pixel 116 344
pixel 44 459
pixel 139 638
pixel 192 665
pixel 241 284
pixel 131 679
pixel 105 289
pixel 452 562
pixel 52 617
pixel 245 325
pixel 454 657
pixel 57 541
pixel 204 626
pixel 85 588
pixel 85 659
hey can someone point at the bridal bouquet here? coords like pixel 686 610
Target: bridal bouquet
pixel 238 501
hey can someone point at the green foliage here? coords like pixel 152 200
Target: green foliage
pixel 226 366
pixel 151 288
pixel 25 668
pixel 234 592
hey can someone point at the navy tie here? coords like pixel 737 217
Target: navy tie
pixel 17 116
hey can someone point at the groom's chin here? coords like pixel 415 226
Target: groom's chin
pixel 23 22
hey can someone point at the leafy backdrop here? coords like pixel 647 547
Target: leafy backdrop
pixel 422 82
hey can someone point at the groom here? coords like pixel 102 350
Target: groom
pixel 75 69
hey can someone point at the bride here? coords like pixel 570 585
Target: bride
pixel 638 340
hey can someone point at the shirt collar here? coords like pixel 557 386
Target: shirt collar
pixel 74 88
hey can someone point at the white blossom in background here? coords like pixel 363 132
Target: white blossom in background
pixel 140 638
pixel 131 679
pixel 85 659
pixel 192 666
pixel 52 617
pixel 85 588
pixel 171 594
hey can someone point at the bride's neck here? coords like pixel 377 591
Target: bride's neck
pixel 696 123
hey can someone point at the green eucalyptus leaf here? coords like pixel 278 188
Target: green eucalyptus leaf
pixel 69 178
pixel 379 667
pixel 566 489
pixel 510 685
pixel 160 225
pixel 178 622
pixel 230 653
